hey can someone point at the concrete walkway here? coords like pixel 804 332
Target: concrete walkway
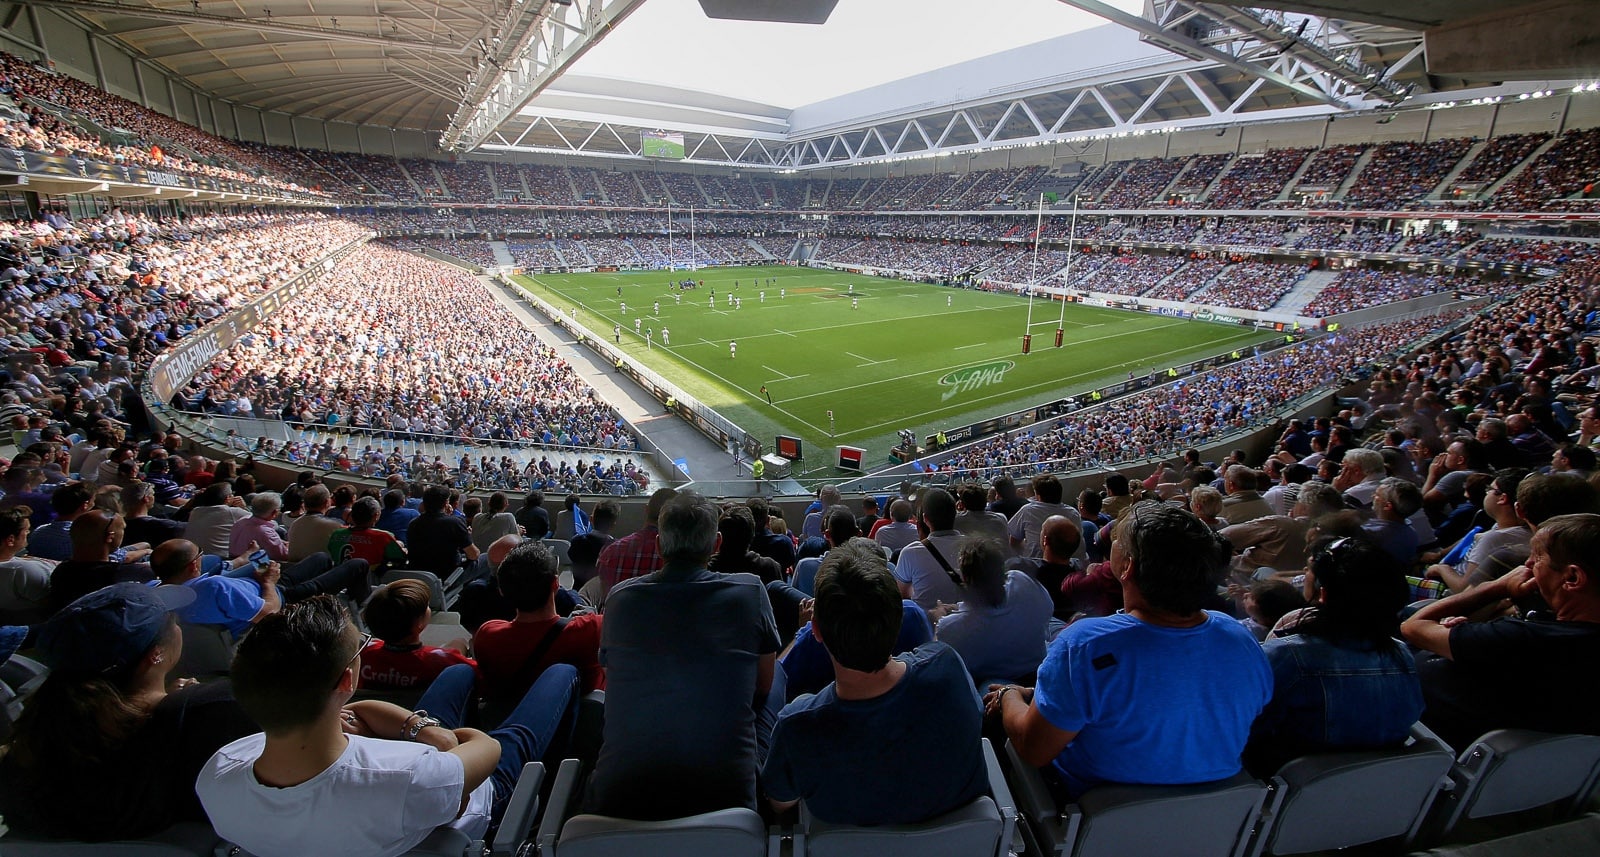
pixel 648 415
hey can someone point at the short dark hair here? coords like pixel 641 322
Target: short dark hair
pixel 365 512
pixel 434 498
pixel 70 497
pixel 938 509
pixel 526 573
pixel 1543 496
pixel 393 498
pixel 1116 485
pixel 973 497
pixel 606 512
pixel 1178 561
pixel 11 518
pixel 759 511
pixel 858 609
pixel 1047 488
pixel 841 526
pixel 395 608
pixel 285 667
pixel 738 529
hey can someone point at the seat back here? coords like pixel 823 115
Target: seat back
pixel 562 549
pixel 442 842
pixel 1510 770
pixel 1207 820
pixel 189 839
pixel 965 832
pixel 725 833
pixel 435 587
pixel 207 651
pixel 1309 809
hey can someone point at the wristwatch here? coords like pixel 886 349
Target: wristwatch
pixel 418 721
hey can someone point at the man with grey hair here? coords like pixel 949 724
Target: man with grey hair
pixel 1243 502
pixel 692 686
pixel 1359 475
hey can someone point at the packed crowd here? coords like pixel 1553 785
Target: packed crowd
pixel 1362 288
pixel 1250 285
pixel 391 341
pixel 1256 179
pixel 468 250
pixel 1188 413
pixel 1400 173
pixel 1565 169
pixel 1142 182
pixel 1497 158
pixel 1129 275
pixel 1188 279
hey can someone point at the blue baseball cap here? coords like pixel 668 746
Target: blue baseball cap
pixel 110 629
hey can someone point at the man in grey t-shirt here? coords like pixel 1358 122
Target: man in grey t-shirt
pixel 692 686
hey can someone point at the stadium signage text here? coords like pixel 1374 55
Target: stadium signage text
pixel 974 377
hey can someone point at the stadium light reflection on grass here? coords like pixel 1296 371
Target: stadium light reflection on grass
pixel 881 354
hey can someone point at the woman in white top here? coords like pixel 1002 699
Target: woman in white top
pixel 489 526
pixel 212 514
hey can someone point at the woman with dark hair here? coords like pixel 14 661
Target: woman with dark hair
pixel 110 745
pixel 1341 681
pixel 494 522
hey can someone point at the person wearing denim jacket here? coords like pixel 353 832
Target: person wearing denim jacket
pixel 1341 681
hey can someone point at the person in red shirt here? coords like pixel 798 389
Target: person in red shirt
pixel 360 540
pixel 512 654
pixel 396 659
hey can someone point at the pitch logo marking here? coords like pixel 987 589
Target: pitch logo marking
pixel 974 377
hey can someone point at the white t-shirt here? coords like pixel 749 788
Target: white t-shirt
pixel 380 798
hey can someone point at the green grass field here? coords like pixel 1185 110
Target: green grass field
pixel 887 356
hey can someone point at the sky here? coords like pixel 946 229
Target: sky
pixel 864 43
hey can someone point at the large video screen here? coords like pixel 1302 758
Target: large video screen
pixel 661 144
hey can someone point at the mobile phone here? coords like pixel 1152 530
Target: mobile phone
pixel 260 558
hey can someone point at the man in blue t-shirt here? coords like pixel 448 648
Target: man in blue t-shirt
pixel 894 740
pixel 1163 693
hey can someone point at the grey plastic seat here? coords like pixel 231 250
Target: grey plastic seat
pixel 981 828
pixel 435 586
pixel 562 549
pixel 1309 806
pixel 726 833
pixel 207 651
pixel 1206 820
pixel 1511 770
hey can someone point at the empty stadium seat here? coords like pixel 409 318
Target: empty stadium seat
pixel 561 548
pixel 1511 770
pixel 1308 806
pixel 725 833
pixel 435 587
pixel 981 828
pixel 1206 820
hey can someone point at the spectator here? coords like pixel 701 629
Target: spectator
pixel 533 517
pixel 1001 627
pixel 1340 679
pixel 309 534
pixel 1024 526
pixel 1168 671
pixel 512 654
pixel 1527 672
pixel 396 659
pixel 24 581
pixel 584 554
pixel 438 540
pixel 396 518
pixel 362 540
pixel 893 740
pixel 636 554
pixel 926 569
pixel 690 660
pixel 108 729
pixel 212 515
pixel 313 780
pixel 93 565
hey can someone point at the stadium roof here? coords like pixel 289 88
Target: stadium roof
pixel 882 78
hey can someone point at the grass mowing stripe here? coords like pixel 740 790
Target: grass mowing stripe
pixel 877 365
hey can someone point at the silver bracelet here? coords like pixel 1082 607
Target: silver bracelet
pixel 422 721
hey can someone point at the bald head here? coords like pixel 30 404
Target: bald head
pixel 1060 536
pixel 95 534
pixel 501 548
pixel 172 560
